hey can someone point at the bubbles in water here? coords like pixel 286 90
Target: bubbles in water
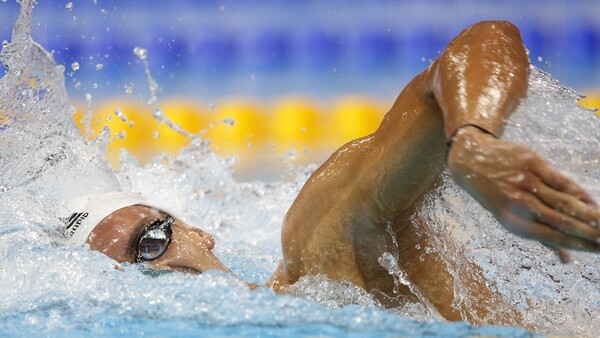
pixel 155 134
pixel 99 66
pixel 75 66
pixel 4 42
pixel 69 6
pixel 229 121
pixel 141 53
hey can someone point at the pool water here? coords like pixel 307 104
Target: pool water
pixel 50 288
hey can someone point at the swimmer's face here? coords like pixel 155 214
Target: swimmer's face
pixel 118 235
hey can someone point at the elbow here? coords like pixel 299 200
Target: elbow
pixel 495 26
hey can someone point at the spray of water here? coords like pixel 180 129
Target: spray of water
pixel 47 286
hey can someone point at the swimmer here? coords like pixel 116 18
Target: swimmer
pixel 450 115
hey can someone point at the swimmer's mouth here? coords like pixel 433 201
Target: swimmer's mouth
pixel 149 271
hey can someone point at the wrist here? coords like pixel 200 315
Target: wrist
pixel 468 132
pixel 465 140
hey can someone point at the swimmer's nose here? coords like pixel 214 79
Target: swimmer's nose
pixel 204 238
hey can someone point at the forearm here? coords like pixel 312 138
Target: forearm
pixel 480 77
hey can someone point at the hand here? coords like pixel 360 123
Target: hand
pixel 526 195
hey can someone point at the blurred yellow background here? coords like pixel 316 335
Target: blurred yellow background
pixel 252 130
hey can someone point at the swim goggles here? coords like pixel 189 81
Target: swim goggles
pixel 155 239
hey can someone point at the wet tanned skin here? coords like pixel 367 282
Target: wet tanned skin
pixel 338 225
pixel 189 251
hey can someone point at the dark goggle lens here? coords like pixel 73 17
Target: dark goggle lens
pixel 155 241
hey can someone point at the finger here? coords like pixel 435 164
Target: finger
pixel 560 182
pixel 559 221
pixel 547 235
pixel 563 254
pixel 568 205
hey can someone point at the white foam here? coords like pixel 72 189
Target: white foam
pixel 47 286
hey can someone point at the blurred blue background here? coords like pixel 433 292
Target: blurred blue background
pixel 266 48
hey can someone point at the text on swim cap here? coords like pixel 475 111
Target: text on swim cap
pixel 75 221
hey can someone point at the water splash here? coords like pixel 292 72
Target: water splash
pixel 42 150
pixel 56 288
pixel 551 296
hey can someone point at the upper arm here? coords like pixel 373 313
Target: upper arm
pixel 363 184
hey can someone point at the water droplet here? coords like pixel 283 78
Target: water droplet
pixel 131 124
pixel 88 97
pixel 540 59
pixel 120 115
pixel 75 66
pixel 157 114
pixel 156 134
pixel 121 134
pixel 69 6
pixel 141 53
pixel 423 59
pixel 4 42
pixel 129 88
pixel 99 66
pixel 103 11
pixel 229 121
pixel 526 263
pixel 95 85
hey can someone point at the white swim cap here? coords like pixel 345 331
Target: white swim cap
pixel 87 211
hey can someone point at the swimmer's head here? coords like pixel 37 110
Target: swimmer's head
pixel 127 228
